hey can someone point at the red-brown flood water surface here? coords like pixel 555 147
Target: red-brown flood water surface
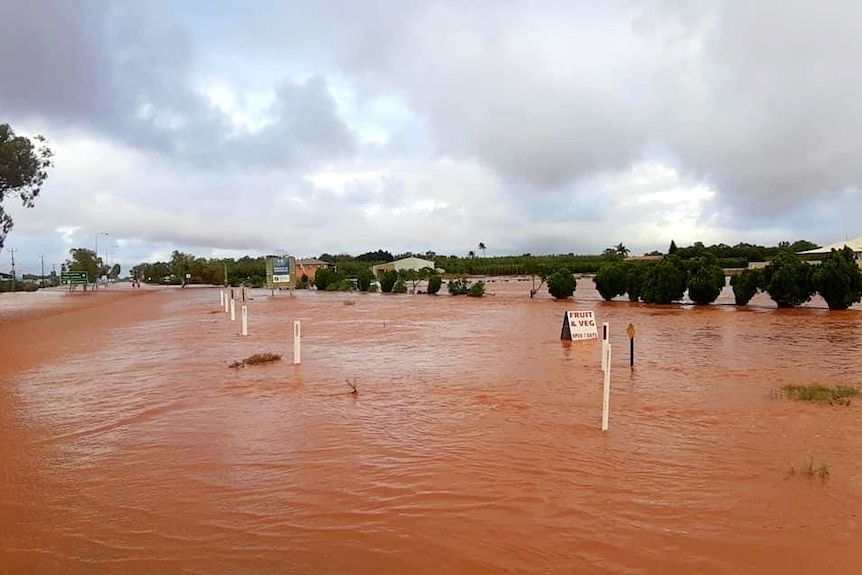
pixel 473 445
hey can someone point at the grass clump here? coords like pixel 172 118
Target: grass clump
pixel 257 359
pixel 833 394
pixel 810 471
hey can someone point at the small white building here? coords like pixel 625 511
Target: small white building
pixel 411 263
pixel 854 244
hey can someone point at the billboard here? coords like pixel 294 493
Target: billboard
pixel 280 272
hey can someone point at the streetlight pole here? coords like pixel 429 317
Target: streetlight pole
pixel 42 278
pixel 96 255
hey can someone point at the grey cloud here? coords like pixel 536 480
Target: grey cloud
pixel 759 98
pixel 126 70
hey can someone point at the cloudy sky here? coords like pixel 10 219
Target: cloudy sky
pixel 309 126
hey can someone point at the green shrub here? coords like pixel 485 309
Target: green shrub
pixel 745 286
pixel 458 286
pixel 788 280
pixel 324 277
pixel 477 289
pixel 635 275
pixel 611 279
pixel 364 277
pixel 705 280
pixel 665 282
pixel 399 287
pixel 839 280
pixel 561 284
pixel 387 281
pixel 435 282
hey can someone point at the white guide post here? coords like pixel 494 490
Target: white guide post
pixel 297 336
pixel 606 334
pixel 232 309
pixel 244 320
pixel 606 392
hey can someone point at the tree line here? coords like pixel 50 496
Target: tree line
pixel 787 279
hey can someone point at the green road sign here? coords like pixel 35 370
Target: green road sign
pixel 74 278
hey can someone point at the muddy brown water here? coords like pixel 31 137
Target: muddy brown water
pixel 473 446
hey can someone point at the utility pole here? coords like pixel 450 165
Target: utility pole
pixel 225 274
pixel 42 278
pixel 14 280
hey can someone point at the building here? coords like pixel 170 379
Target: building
pixel 854 244
pixel 309 267
pixel 411 263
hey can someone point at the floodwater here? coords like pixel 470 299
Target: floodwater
pixel 473 444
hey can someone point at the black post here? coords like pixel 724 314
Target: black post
pixel 631 352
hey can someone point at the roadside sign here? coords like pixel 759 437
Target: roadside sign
pixel 74 278
pixel 579 325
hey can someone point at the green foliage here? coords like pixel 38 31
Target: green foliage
pixel 399 287
pixel 476 290
pixel 705 280
pixel 672 249
pixel 364 277
pixel 387 281
pixel 23 169
pixel 561 284
pixel 816 392
pixel 303 282
pixel 788 280
pixel 84 260
pixel 435 282
pixel 839 280
pixel 611 280
pixel 665 282
pixel 324 277
pixel 745 285
pixel 635 277
pixel 458 286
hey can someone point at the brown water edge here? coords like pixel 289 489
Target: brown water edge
pixel 473 445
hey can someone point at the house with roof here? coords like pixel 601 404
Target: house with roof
pixel 854 244
pixel 308 267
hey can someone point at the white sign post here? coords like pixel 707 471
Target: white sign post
pixel 579 325
pixel 221 298
pixel 606 334
pixel 244 320
pixel 297 335
pixel 232 309
pixel 606 392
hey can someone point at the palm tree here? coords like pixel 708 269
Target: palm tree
pixel 471 254
pixel 622 250
pixel 482 247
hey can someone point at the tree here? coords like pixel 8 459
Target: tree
pixel 635 276
pixel 364 277
pixel 705 280
pixel 610 280
pixel 324 277
pixel 115 271
pixel 471 254
pixel 672 249
pixel 561 284
pixel 387 281
pixel 788 280
pixel 745 286
pixel 435 282
pixel 482 248
pixel 23 169
pixel 84 260
pixel 399 287
pixel 458 286
pixel 839 280
pixel 622 250
pixel 477 289
pixel 664 282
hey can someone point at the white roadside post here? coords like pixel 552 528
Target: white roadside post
pixel 221 298
pixel 606 394
pixel 244 320
pixel 297 336
pixel 226 304
pixel 232 309
pixel 606 328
